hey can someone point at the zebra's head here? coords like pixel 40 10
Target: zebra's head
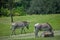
pixel 26 24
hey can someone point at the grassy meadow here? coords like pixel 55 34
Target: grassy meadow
pixel 41 38
pixel 5 22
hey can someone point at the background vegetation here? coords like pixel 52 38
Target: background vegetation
pixel 23 7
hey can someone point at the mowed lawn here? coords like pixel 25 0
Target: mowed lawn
pixel 5 22
pixel 42 38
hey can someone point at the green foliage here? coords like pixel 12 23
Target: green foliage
pixel 18 7
pixel 19 11
pixel 23 7
pixel 5 12
pixel 25 4
pixel 44 7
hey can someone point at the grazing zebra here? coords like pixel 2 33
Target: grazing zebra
pixel 21 25
pixel 43 26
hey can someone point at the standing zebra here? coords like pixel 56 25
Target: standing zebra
pixel 21 25
pixel 44 27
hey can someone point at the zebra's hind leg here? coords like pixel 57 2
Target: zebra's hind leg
pixel 22 30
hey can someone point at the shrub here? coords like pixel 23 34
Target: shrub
pixel 19 11
pixel 5 12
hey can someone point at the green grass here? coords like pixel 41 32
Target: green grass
pixel 41 38
pixel 5 23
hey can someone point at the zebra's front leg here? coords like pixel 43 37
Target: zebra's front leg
pixel 23 30
pixel 13 32
pixel 36 32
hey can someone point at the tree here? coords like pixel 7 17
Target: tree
pixel 11 7
pixel 44 7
